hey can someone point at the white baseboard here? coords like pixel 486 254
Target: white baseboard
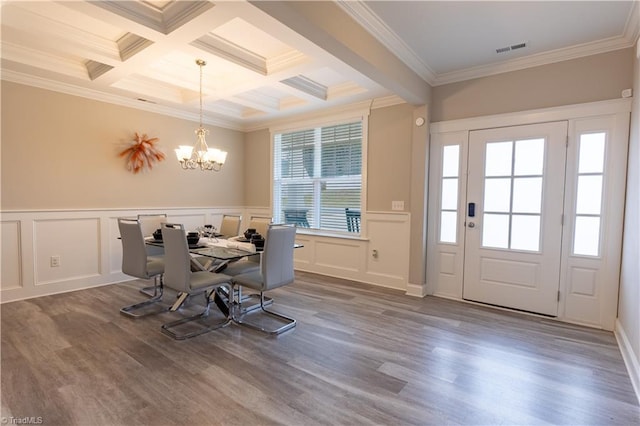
pixel 416 290
pixel 631 359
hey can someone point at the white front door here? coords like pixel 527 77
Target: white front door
pixel 513 237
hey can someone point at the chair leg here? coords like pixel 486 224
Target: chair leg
pixel 289 322
pixel 131 310
pixel 152 290
pixel 244 301
pixel 168 328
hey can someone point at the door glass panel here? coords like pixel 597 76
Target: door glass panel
pixel 527 195
pixel 516 192
pixel 495 230
pixel 589 194
pixel 448 222
pixel 591 158
pixel 529 157
pixel 498 159
pixel 525 232
pixel 587 236
pixel 497 195
pixel 450 156
pixel 450 194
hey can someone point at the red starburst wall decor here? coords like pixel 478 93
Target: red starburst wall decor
pixel 141 153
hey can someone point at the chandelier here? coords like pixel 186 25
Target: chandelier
pixel 200 155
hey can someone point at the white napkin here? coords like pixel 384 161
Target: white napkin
pixel 242 246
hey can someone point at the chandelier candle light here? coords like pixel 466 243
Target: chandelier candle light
pixel 200 155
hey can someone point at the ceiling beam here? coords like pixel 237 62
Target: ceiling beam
pixel 328 26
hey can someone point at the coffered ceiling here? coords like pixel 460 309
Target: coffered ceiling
pixel 271 60
pixel 144 52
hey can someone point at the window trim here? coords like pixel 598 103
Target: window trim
pixel 333 120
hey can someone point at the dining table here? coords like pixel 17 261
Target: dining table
pixel 222 250
pixel 214 248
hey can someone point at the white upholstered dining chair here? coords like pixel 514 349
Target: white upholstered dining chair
pixel 179 277
pixel 148 224
pixel 276 270
pixel 230 225
pixel 260 224
pixel 136 263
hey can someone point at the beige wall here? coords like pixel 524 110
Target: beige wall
pixel 388 168
pixel 389 157
pixel 588 79
pixel 629 300
pixel 61 152
pixel 257 189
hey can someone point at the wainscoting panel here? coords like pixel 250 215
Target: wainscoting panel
pixel 90 253
pixel 86 242
pixel 388 252
pixel 74 241
pixel 381 258
pixel 11 255
pixel 342 255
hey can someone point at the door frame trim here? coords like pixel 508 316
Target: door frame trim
pixel 605 305
pixel 535 116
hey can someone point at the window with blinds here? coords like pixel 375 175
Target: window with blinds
pixel 318 177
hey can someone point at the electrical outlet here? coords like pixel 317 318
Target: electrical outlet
pixel 55 261
pixel 397 205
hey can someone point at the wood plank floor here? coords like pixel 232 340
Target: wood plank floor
pixel 360 355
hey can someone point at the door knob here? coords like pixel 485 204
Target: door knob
pixel 472 225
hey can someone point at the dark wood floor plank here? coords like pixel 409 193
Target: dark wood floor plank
pixel 360 355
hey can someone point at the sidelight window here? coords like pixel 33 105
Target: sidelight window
pixel 449 193
pixel 591 154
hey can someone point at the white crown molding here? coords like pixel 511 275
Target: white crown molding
pixel 232 52
pixel 34 58
pixel 83 92
pixel 137 12
pixel 632 27
pixel 307 85
pixel 348 88
pixel 54 32
pixel 176 14
pixel 130 44
pixel 554 56
pixel 317 116
pixel 363 15
pixel 286 60
pixel 387 101
pixel 69 89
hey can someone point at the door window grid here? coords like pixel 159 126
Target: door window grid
pixel 513 194
pixel 449 194
pixel 586 233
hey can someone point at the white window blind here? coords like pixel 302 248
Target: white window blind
pixel 318 177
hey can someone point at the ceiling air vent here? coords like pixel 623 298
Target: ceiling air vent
pixel 510 48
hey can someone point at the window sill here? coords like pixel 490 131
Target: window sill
pixel 329 234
